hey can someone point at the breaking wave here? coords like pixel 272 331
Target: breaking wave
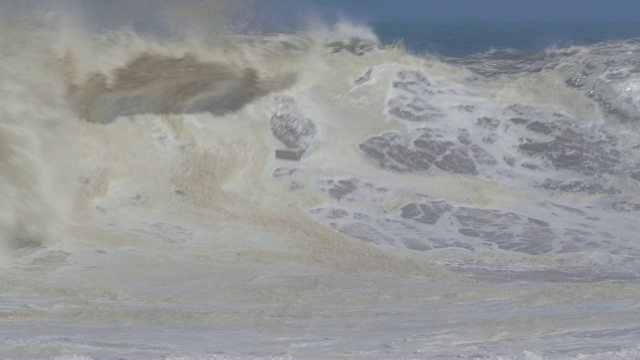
pixel 117 116
pixel 321 148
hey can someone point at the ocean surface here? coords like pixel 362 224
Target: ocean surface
pixel 469 38
pixel 327 193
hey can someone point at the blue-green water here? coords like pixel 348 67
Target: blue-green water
pixel 466 38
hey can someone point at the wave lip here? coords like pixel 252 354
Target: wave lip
pixel 156 84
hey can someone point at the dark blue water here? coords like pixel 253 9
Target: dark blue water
pixel 466 38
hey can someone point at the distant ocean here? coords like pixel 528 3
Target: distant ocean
pixel 320 194
pixel 467 38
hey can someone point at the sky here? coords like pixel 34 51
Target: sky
pixel 484 10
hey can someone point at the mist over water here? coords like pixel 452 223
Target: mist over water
pixel 213 180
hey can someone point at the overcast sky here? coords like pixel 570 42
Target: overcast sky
pixel 484 10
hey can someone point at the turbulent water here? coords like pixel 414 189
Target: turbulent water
pixel 315 195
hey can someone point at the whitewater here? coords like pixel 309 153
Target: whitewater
pixel 227 194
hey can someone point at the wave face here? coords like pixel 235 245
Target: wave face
pixel 256 195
